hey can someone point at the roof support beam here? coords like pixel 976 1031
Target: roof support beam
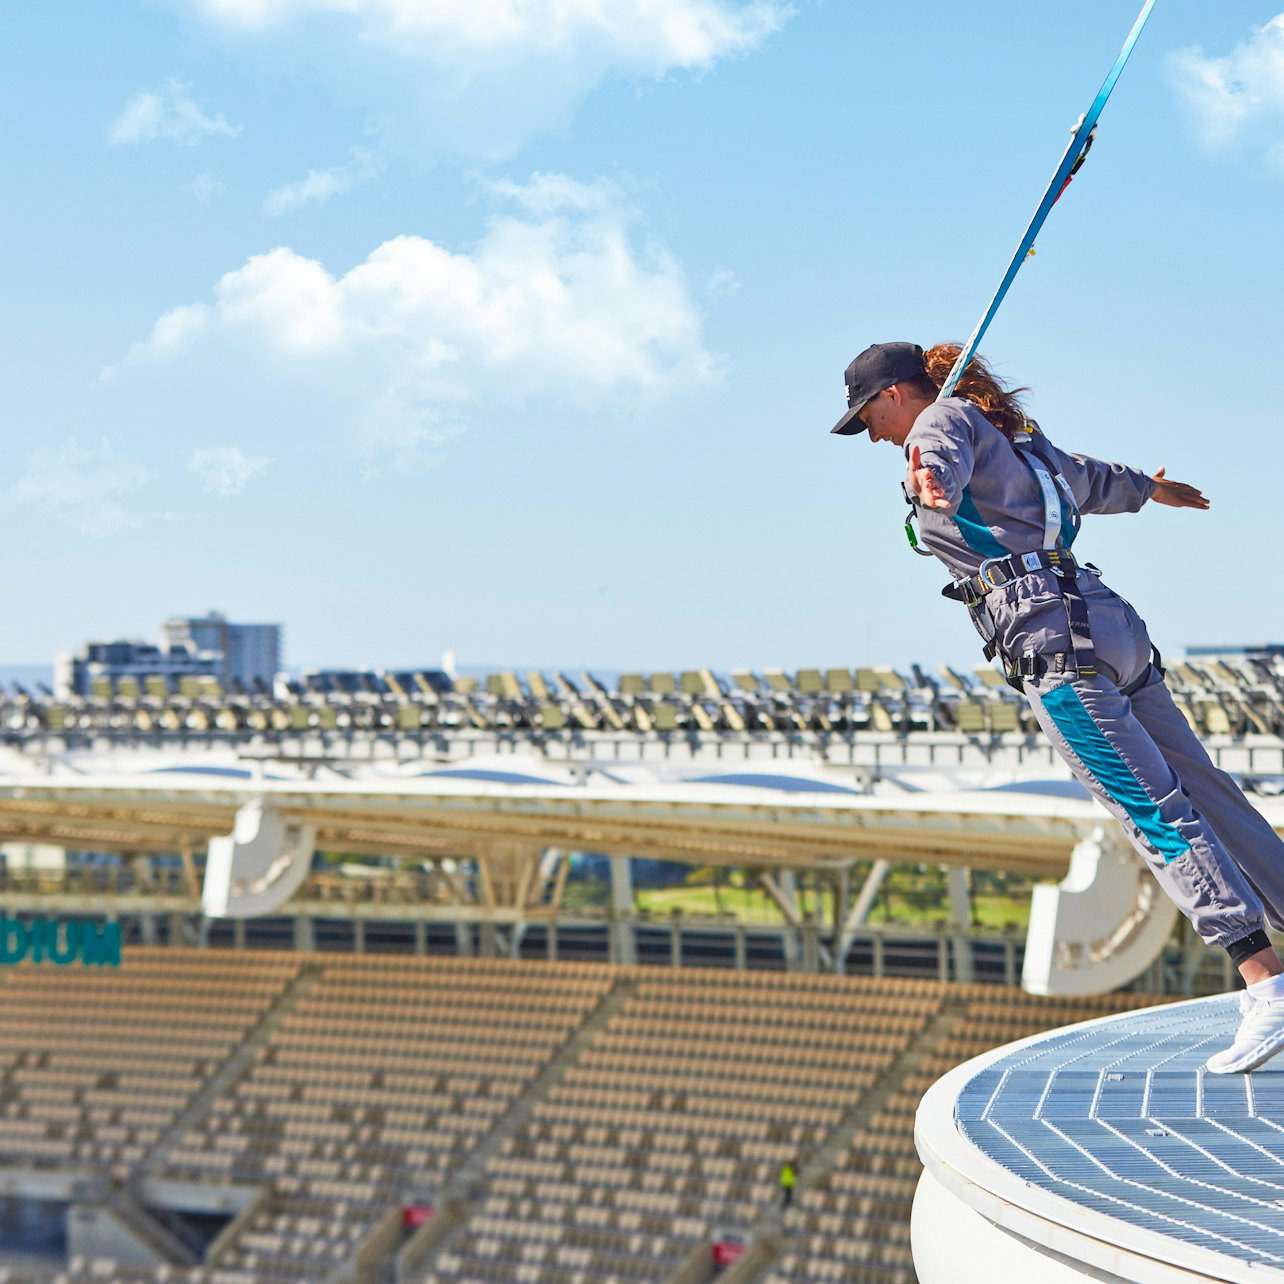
pixel 959 883
pixel 860 909
pixel 785 901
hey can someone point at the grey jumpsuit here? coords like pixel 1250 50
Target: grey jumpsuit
pixel 1118 730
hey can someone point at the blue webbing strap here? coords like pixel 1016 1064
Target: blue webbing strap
pixel 1072 154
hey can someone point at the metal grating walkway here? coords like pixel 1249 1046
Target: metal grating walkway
pixel 1121 1118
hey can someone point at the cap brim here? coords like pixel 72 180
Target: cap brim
pixel 849 425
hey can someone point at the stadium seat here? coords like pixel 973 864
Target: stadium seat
pixel 665 716
pixel 551 716
pixel 1003 716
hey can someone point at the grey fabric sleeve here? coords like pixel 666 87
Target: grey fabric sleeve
pixel 944 438
pixel 1100 487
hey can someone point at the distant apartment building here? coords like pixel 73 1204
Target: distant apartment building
pixel 202 646
pixel 81 672
pixel 1245 650
pixel 250 652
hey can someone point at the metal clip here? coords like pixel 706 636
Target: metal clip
pixel 913 538
pixel 986 572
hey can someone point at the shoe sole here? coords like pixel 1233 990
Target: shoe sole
pixel 1250 1060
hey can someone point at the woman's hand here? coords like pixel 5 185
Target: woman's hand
pixel 1176 494
pixel 923 482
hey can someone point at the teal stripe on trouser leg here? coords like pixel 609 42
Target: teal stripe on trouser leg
pixel 1100 757
pixel 1203 880
pixel 1247 835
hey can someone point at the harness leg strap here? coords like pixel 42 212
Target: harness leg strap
pixel 1085 655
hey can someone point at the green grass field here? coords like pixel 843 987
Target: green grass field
pixel 910 896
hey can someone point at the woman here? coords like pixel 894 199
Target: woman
pixel 1000 506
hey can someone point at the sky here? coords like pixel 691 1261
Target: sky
pixel 516 328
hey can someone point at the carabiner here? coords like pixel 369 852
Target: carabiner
pixel 913 538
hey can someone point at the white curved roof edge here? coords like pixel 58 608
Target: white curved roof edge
pixel 1004 804
pixel 1066 1229
pixel 962 803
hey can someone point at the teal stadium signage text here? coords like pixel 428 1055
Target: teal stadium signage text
pixel 62 941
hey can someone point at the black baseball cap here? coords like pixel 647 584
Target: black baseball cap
pixel 878 367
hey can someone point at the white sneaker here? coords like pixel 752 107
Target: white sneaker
pixel 1260 1037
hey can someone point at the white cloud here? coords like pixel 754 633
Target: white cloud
pixel 168 113
pixel 320 185
pixel 315 189
pixel 722 283
pixel 205 187
pixel 545 194
pixel 479 77
pixel 572 306
pixel 226 470
pixel 650 36
pixel 87 488
pixel 1235 97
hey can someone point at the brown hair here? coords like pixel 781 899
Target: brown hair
pixel 979 385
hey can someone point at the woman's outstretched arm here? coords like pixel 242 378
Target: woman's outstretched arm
pixel 1176 494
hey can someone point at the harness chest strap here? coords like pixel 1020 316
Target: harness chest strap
pixel 1044 469
pixel 1054 488
pixel 1051 505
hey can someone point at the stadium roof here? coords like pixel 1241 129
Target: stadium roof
pixel 768 819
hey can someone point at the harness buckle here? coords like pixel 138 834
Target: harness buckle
pixel 985 573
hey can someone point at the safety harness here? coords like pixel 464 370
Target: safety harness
pixel 1061 522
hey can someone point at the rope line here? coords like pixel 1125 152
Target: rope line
pixel 1073 158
